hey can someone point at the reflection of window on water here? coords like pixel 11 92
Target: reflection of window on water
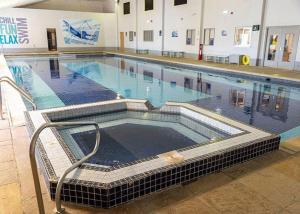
pixel 54 68
pixel 238 97
pixel 123 65
pixel 148 76
pixel 280 100
pixel 266 97
pixel 173 84
pixel 188 83
pixel 132 74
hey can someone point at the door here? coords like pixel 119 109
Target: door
pixel 51 37
pixel 288 48
pixel 122 41
pixel 281 47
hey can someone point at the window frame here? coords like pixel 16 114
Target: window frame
pixel 208 42
pixel 146 5
pixel 193 37
pixel 152 36
pixel 180 2
pixel 239 44
pixel 126 3
pixel 131 36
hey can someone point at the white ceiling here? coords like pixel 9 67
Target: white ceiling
pixel 16 3
pixel 100 6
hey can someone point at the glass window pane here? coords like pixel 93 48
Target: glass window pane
pixel 272 47
pixel 209 36
pixel 288 47
pixel 242 36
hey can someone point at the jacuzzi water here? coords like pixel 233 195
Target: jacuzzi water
pixel 132 136
pixel 55 82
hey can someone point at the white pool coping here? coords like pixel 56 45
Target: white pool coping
pixel 60 161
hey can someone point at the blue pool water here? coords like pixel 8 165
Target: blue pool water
pixel 55 82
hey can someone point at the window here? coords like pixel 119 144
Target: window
pixel 148 36
pixel 131 35
pixel 242 37
pixel 209 36
pixel 190 37
pixel 126 8
pixel 180 2
pixel 148 5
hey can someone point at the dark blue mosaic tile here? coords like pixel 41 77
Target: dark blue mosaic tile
pixel 163 178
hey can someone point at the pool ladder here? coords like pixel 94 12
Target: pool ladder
pixel 34 168
pixel 20 90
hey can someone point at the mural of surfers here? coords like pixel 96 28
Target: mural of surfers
pixel 13 31
pixel 84 32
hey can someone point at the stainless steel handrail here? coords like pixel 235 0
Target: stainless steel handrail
pixel 33 163
pixel 20 90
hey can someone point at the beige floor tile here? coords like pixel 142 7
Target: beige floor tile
pixel 294 208
pixel 8 173
pixel 289 167
pixel 10 199
pixel 191 205
pixel 6 153
pixel 238 198
pixel 5 143
pixel 7 165
pixel 267 182
pixel 19 132
pixel 292 144
pixel 4 124
pixel 5 135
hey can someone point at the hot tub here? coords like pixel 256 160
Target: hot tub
pixel 142 150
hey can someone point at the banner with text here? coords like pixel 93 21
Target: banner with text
pixel 13 31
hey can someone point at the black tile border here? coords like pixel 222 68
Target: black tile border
pixel 120 192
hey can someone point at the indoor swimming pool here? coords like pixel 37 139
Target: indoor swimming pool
pixel 70 80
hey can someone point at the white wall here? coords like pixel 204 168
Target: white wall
pixel 180 18
pixel 150 20
pixel 127 22
pixel 246 13
pixel 40 20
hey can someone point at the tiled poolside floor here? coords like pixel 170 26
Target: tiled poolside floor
pixel 271 72
pixel 270 184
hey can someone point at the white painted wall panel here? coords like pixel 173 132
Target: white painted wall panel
pixel 40 20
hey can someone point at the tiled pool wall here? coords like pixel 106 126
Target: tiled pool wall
pixel 110 195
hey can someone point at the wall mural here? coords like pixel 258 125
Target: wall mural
pixel 83 31
pixel 13 31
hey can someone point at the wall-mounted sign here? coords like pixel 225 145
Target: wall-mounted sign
pixel 224 33
pixel 255 27
pixel 13 31
pixel 84 32
pixel 174 33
